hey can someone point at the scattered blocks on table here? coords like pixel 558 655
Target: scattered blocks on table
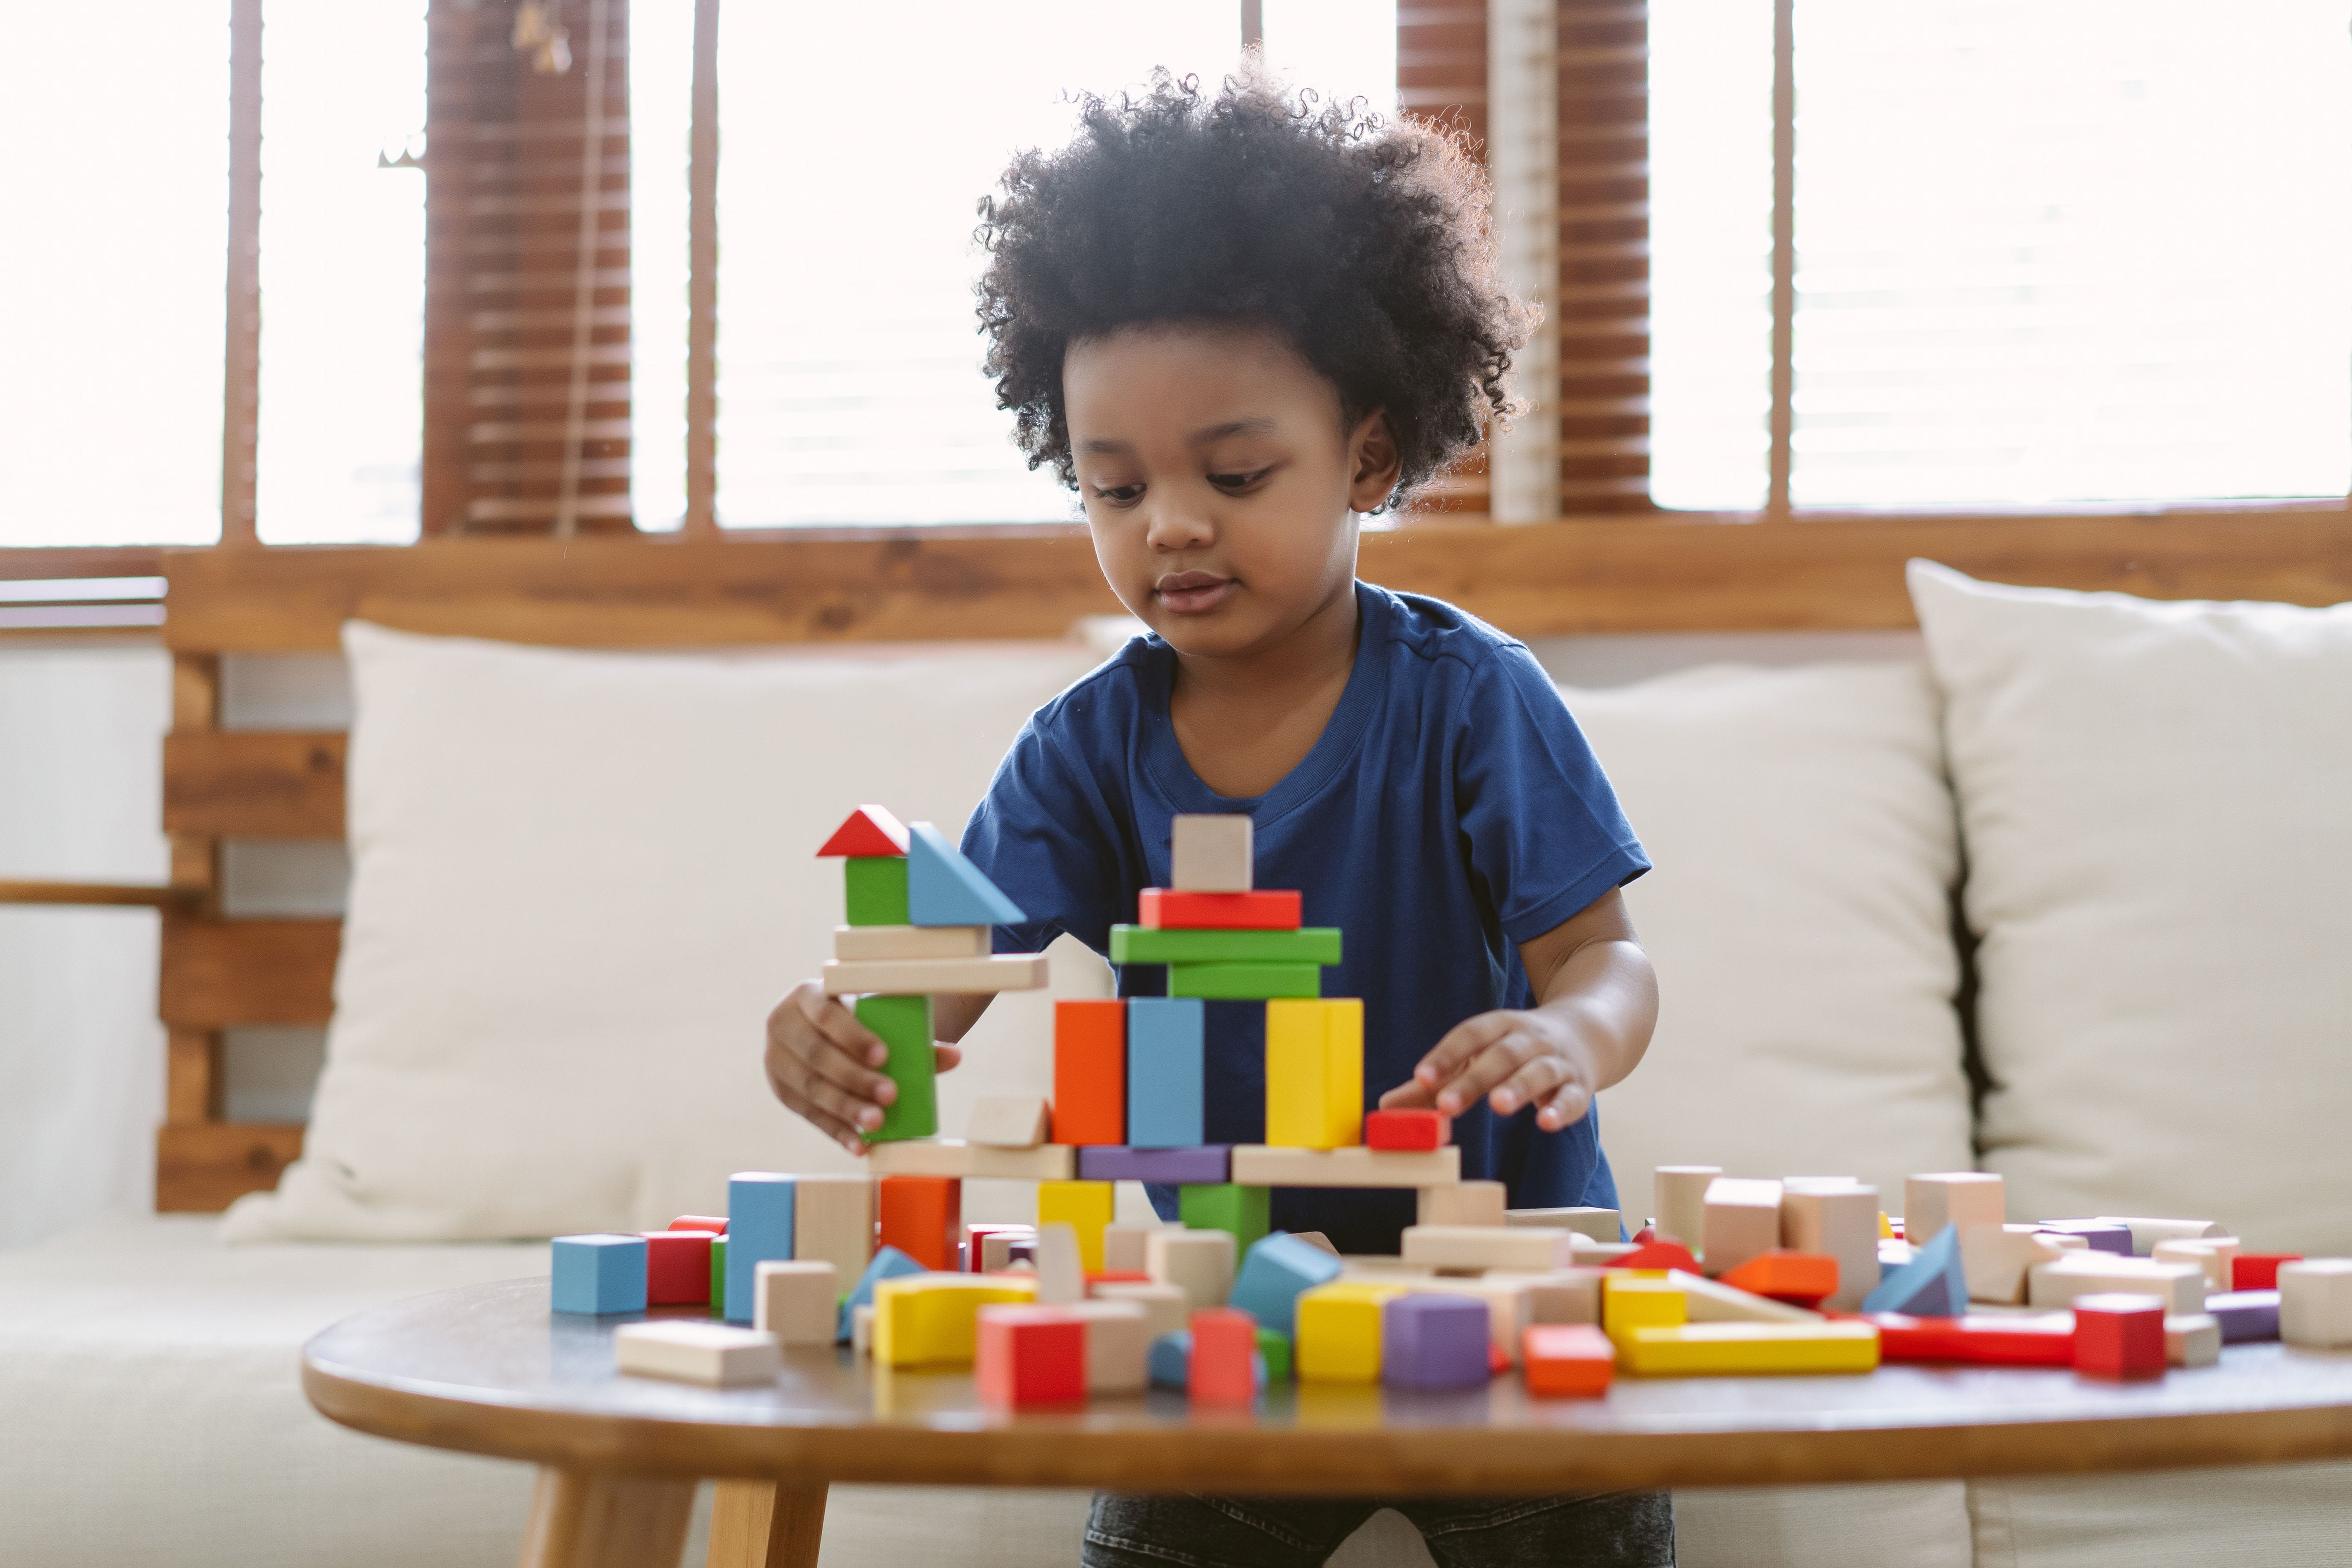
pixel 1157 944
pixel 904 1024
pixel 1223 1368
pixel 1009 1122
pixel 936 976
pixel 932 1320
pixel 677 1268
pixel 1204 1164
pixel 1714 1301
pixel 1244 981
pixel 2146 1232
pixel 692 1350
pixel 1338 1338
pixel 1837 1217
pixel 1565 1296
pixel 1261 1166
pixel 1166 1071
pixel 2259 1270
pixel 1172 909
pixel 2246 1316
pixel 1934 1284
pixel 888 945
pixel 956 1158
pixel 2193 1339
pixel 2076 1274
pixel 1119 1338
pixel 2098 1235
pixel 2007 1339
pixel 922 1216
pixel 888 1263
pixel 1055 1255
pixel 2213 1253
pixel 944 889
pixel 1123 1244
pixel 1085 1207
pixel 1681 1201
pixel 869 832
pixel 1316 1238
pixel 1170 1359
pixel 1653 1255
pixel 2119 1334
pixel 2315 1303
pixel 1831 1345
pixel 600 1274
pixel 1951 1198
pixel 1198 1262
pixel 1090 1072
pixel 1027 1356
pixel 714 1223
pixel 799 1302
pixel 1631 1302
pixel 1567 1360
pixel 1274 1353
pixel 1742 1218
pixel 860 1332
pixel 1245 1211
pixel 1464 1203
pixel 1487 1246
pixel 833 1221
pixel 1211 852
pixel 1604 1226
pixel 1996 1260
pixel 1275 1272
pixel 1163 1306
pixel 1434 1341
pixel 761 1210
pixel 875 891
pixel 1798 1279
pixel 988 1249
pixel 1405 1130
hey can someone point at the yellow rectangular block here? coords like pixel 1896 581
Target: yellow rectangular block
pixel 1084 1207
pixel 1631 1302
pixel 1719 1349
pixel 1315 1073
pixel 932 1320
pixel 1340 1333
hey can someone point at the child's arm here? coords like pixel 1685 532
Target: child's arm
pixel 823 1063
pixel 1596 1003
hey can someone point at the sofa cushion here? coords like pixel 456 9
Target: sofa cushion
pixel 2153 798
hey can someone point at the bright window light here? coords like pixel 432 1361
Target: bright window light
pixel 661 121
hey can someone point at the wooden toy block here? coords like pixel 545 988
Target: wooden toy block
pixel 800 1304
pixel 714 1223
pixel 955 1157
pixel 1316 1238
pixel 1837 1218
pixel 922 1216
pixel 932 1320
pixel 1933 1284
pixel 2193 1339
pixel 1831 1345
pixel 2119 1334
pixel 1166 1071
pixel 1338 1339
pixel 889 1263
pixel 1117 1277
pixel 2146 1232
pixel 869 831
pixel 1565 1296
pixel 1712 1301
pixel 1090 1072
pixel 1892 1255
pixel 1406 1130
pixel 2246 1316
pixel 599 1274
pixel 688 1350
pixel 2073 1274
pixel 1799 1279
pixel 1027 1356
pixel 1487 1246
pixel 1741 1218
pixel 1172 909
pixel 719 1276
pixel 1275 1272
pixel 1605 1225
pixel 1680 1199
pixel 2213 1253
pixel 2315 1303
pixel 677 1268
pixel 902 944
pixel 1273 1355
pixel 1244 981
pixel 1170 1361
pixel 1223 1368
pixel 2098 1235
pixel 1951 1198
pixel 1163 1306
pixel 1261 1166
pixel 1567 1360
pixel 1085 1207
pixel 944 889
pixel 861 1331
pixel 833 1221
pixel 2259 1270
pixel 1996 1258
pixel 1204 1164
pixel 2004 1340
pixel 979 1258
pixel 1314 1073
pixel 1464 1203
pixel 1123 1244
pixel 761 1207
pixel 1198 1262
pixel 1631 1302
pixel 937 976
pixel 1591 1254
pixel 875 891
pixel 1245 1211
pixel 1210 853
pixel 1118 1341
pixel 1434 1341
pixel 904 1022
pixel 1318 945
pixel 1649 1255
pixel 1060 1277
pixel 1009 1122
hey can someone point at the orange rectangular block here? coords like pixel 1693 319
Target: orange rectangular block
pixel 1572 1361
pixel 1090 1072
pixel 1805 1279
pixel 920 1217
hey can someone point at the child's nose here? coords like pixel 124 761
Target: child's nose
pixel 1178 523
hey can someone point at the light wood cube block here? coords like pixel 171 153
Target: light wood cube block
pixel 1211 853
pixel 1465 1202
pixel 799 1302
pixel 1742 1220
pixel 693 1350
pixel 1198 1262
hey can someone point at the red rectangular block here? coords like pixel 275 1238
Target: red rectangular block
pixel 1030 1355
pixel 2259 1270
pixel 1168 908
pixel 2119 1335
pixel 974 1243
pixel 677 1268
pixel 1802 1278
pixel 1404 1130
pixel 1117 1277
pixel 1571 1361
pixel 919 1216
pixel 1090 1072
pixel 1223 1368
pixel 2047 1340
pixel 713 1223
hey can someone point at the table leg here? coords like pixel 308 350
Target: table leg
pixel 766 1524
pixel 581 1519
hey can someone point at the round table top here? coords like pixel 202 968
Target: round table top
pixel 488 1369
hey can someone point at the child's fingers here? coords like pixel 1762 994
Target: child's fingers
pixel 1461 1046
pixel 1512 1049
pixel 1411 1095
pixel 1531 1084
pixel 839 1024
pixel 1568 1106
pixel 948 1058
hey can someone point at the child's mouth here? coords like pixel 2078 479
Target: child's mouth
pixel 1191 593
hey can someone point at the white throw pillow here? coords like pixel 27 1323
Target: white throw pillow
pixel 2156 801
pixel 579 881
pixel 1800 917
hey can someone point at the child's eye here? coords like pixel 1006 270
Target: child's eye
pixel 1238 482
pixel 1120 495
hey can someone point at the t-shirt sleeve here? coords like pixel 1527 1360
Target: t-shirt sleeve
pixel 1043 835
pixel 1544 829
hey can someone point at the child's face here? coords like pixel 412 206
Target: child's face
pixel 1219 480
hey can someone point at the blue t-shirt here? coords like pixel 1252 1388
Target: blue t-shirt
pixel 1450 811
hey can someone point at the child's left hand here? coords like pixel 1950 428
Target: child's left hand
pixel 1515 1058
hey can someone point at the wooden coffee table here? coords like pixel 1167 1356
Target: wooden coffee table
pixel 490 1370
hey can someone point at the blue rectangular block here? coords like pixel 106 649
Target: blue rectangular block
pixel 1434 1341
pixel 758 1230
pixel 1166 1046
pixel 600 1274
pixel 1205 1165
pixel 1275 1272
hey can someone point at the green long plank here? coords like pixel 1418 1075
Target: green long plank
pixel 1152 944
pixel 1244 981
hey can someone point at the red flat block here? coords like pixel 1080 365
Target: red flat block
pixel 2259 1270
pixel 1030 1355
pixel 918 1217
pixel 1802 1278
pixel 1223 1368
pixel 714 1223
pixel 1404 1130
pixel 1167 909
pixel 1567 1360
pixel 2047 1340
pixel 2119 1335
pixel 1660 1254
pixel 677 1268
pixel 869 832
pixel 1118 1276
pixel 1090 1072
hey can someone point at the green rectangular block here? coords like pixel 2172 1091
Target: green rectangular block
pixel 905 1024
pixel 1274 1345
pixel 719 1276
pixel 1244 981
pixel 1244 1213
pixel 878 890
pixel 1153 944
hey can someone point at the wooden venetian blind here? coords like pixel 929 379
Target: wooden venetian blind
pixel 527 272
pixel 1442 77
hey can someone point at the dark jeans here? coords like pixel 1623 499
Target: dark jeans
pixel 1611 1529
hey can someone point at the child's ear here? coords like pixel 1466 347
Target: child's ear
pixel 1373 462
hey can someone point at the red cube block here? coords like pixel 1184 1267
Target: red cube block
pixel 714 1223
pixel 918 1217
pixel 1572 1361
pixel 2259 1270
pixel 1223 1368
pixel 677 1268
pixel 2119 1334
pixel 1030 1355
pixel 1404 1130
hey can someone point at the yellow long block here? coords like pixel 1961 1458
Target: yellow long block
pixel 1631 1302
pixel 932 1320
pixel 1340 1333
pixel 1315 1073
pixel 1085 1207
pixel 1701 1349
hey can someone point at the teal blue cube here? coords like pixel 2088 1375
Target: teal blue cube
pixel 600 1275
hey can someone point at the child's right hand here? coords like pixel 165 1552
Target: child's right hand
pixel 822 1063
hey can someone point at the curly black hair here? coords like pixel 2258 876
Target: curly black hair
pixel 1363 241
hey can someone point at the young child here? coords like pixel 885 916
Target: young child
pixel 1233 325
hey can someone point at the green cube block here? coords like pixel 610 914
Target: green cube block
pixel 719 1276
pixel 905 1024
pixel 1153 944
pixel 878 890
pixel 1274 1345
pixel 1244 981
pixel 1243 1212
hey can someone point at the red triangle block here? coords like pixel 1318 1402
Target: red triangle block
pixel 868 831
pixel 1666 1253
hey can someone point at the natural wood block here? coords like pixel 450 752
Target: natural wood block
pixel 1564 1296
pixel 932 1320
pixel 955 1157
pixel 1732 1348
pixel 1119 1344
pixel 1951 1198
pixel 1997 1259
pixel 1742 1218
pixel 2058 1283
pixel 1712 1301
pixel 1009 1121
pixel 863 944
pixel 798 1302
pixel 2147 1233
pixel 2213 1253
pixel 1339 1335
pixel 1568 1360
pixel 1164 1308
pixel 2193 1339
pixel 1836 1218
pixel 861 1330
pixel 1053 1254
pixel 1210 853
pixel 692 1350
pixel 1680 1200
pixel 936 976
pixel 1464 1203
pixel 1258 1165
pixel 1314 1074
pixel 1604 1226
pixel 1124 1247
pixel 1198 1262
pixel 1090 1072
pixel 833 1221
pixel 2315 1303
pixel 1085 1207
pixel 1487 1246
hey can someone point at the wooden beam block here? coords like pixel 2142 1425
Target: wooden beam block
pixel 1733 1349
pixel 920 1216
pixel 1631 1302
pixel 219 974
pixel 1742 1220
pixel 1198 1262
pixel 1125 1248
pixel 1712 1301
pixel 1244 981
pixel 1679 1197
pixel 1224 1369
pixel 1314 1075
pixel 687 1349
pixel 1163 1306
pixel 1211 853
pixel 1170 909
pixel 833 1222
pixel 1166 1086
pixel 1009 1121
pixel 882 944
pixel 1487 1246
pixel 201 1169
pixel 1951 1198
pixel 1054 1257
pixel 1090 1072
pixel 797 1301
pixel 2193 1339
pixel 2058 1283
pixel 1156 945
pixel 936 976
pixel 1258 1165
pixel 2147 1233
pixel 1605 1225
pixel 1119 1344
pixel 2213 1253
pixel 908 1028
pixel 1996 1260
pixel 955 1157
pixel 2007 1339
pixel 762 1225
pixel 247 783
pixel 1464 1203
pixel 1799 1278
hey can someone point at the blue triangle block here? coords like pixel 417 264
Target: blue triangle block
pixel 889 1263
pixel 1932 1284
pixel 944 889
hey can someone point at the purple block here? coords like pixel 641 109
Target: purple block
pixel 2245 1315
pixel 2101 1235
pixel 1203 1165
pixel 1433 1341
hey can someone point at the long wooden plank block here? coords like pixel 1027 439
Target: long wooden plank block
pixel 201 1169
pixel 254 784
pixel 936 976
pixel 217 973
pixel 954 1157
pixel 1262 1165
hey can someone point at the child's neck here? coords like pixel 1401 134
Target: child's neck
pixel 1246 721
